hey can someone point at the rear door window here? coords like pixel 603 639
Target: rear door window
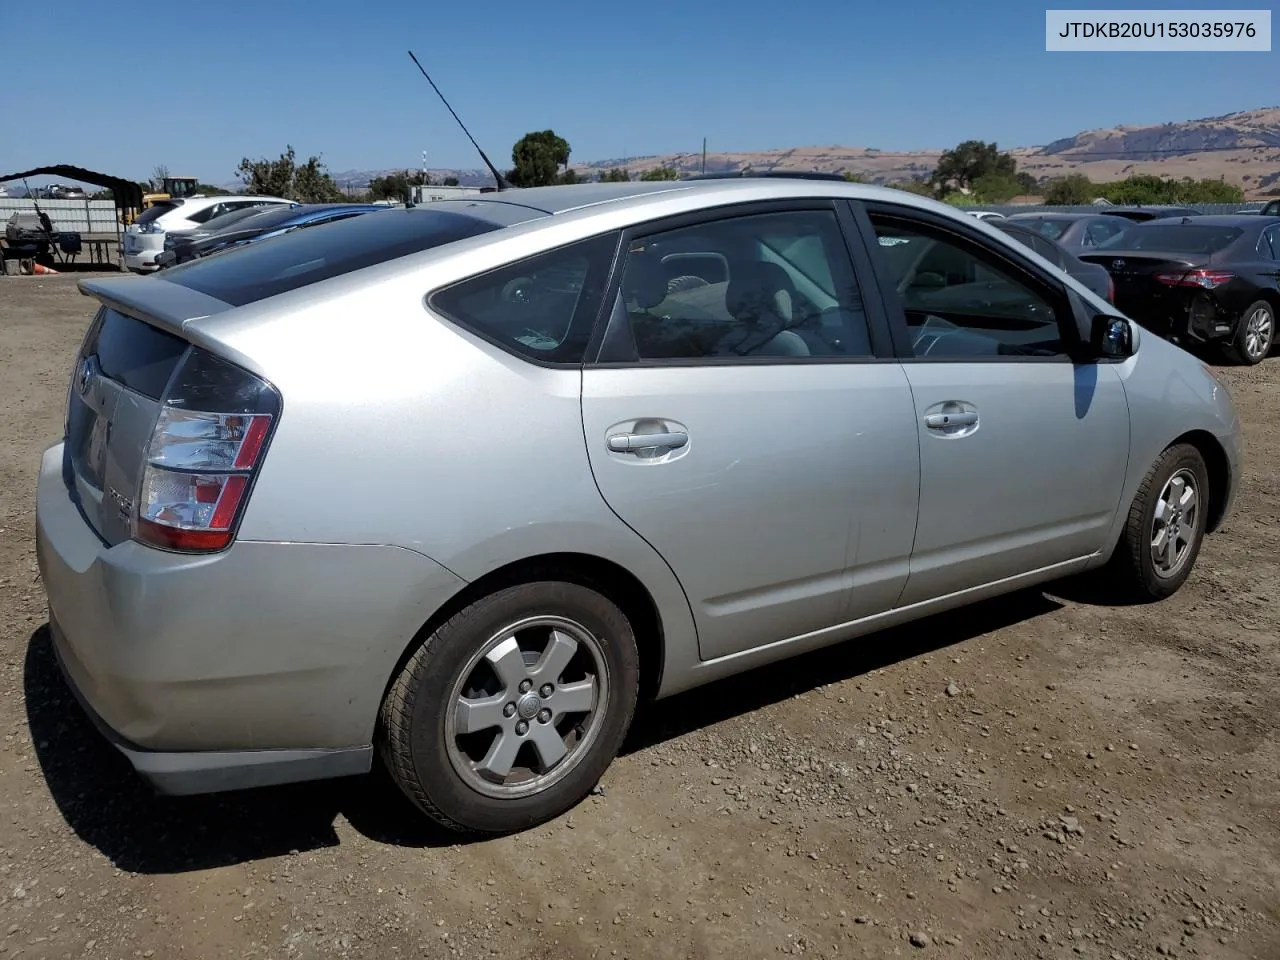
pixel 1269 244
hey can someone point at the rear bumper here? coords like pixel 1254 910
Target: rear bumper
pixel 263 664
pixel 145 260
pixel 1198 317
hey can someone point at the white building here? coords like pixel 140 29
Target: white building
pixel 427 194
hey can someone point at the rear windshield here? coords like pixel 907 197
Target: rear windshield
pixel 134 354
pixel 221 222
pixel 303 257
pixel 263 218
pixel 156 210
pixel 1174 238
pixel 1053 229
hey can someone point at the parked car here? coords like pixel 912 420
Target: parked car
pixel 986 214
pixel 1203 281
pixel 1271 209
pixel 1139 214
pixel 260 224
pixel 1076 232
pixel 144 238
pixel 461 483
pixel 216 225
pixel 1092 275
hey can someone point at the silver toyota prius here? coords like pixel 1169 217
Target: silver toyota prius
pixel 458 485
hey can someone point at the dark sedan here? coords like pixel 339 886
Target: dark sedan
pixel 259 225
pixel 1091 275
pixel 1208 280
pixel 1075 231
pixel 1142 214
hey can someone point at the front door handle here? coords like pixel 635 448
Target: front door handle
pixel 632 442
pixel 939 421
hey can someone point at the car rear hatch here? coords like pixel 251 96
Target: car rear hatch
pixel 122 369
pixel 1139 290
pixel 152 370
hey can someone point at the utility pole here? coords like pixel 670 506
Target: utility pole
pixel 704 154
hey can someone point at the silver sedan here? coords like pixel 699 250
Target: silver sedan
pixel 458 485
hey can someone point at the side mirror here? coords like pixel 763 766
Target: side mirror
pixel 1111 337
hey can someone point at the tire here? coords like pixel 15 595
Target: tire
pixel 1255 334
pixel 1133 571
pixel 441 767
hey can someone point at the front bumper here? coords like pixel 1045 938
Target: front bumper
pixel 262 664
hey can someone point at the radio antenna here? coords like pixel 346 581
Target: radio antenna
pixel 501 181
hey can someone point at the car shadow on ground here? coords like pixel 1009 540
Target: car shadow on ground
pixel 112 809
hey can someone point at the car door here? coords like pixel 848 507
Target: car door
pixel 745 416
pixel 1023 452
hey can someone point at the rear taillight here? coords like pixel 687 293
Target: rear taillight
pixel 1111 290
pixel 215 421
pixel 1206 279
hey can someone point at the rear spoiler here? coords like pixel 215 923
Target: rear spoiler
pixel 159 302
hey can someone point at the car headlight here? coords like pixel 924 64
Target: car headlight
pixel 151 227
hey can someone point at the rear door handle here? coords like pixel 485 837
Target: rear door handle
pixel 631 442
pixel 937 421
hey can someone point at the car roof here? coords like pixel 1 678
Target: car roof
pixel 1212 220
pixel 208 200
pixel 564 198
pixel 1063 215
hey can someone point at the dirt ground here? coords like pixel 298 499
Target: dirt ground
pixel 1033 777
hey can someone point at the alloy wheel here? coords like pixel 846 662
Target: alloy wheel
pixel 1174 525
pixel 527 707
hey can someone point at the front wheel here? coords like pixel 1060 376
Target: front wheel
pixel 1255 334
pixel 511 711
pixel 1165 527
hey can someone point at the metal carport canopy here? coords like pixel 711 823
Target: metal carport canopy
pixel 127 193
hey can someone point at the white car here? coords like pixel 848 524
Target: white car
pixel 144 238
pixel 986 215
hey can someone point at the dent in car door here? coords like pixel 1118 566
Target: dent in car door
pixel 775 470
pixel 1023 453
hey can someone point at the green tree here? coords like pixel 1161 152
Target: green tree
pixel 449 182
pixel 661 173
pixel 852 177
pixel 615 175
pixel 918 187
pixel 537 158
pixel 995 188
pixel 395 186
pixel 309 182
pixel 958 168
pixel 1074 189
pixel 570 176
pixel 1209 191
pixel 1141 188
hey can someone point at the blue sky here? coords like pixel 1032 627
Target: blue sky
pixel 124 92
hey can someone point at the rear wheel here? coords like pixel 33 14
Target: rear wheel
pixel 511 711
pixel 1255 334
pixel 1165 527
